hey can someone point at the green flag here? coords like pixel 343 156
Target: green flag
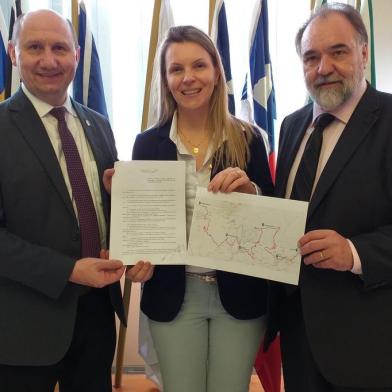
pixel 367 16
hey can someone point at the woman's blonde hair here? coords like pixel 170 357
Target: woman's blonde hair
pixel 221 123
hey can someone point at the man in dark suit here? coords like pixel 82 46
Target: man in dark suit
pixel 56 295
pixel 336 327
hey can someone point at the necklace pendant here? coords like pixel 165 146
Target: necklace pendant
pixel 195 150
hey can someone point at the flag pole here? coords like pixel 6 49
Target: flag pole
pixel 150 64
pixel 358 4
pixel 18 5
pixel 147 90
pixel 122 335
pixel 211 15
pixel 75 15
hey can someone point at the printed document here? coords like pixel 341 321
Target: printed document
pixel 148 212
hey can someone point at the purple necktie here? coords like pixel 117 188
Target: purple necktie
pixel 88 223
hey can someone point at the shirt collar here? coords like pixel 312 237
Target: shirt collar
pixel 173 135
pixel 344 112
pixel 181 149
pixel 43 108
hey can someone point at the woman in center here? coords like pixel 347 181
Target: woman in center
pixel 206 324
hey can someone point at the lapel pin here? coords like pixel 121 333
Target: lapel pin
pixel 88 123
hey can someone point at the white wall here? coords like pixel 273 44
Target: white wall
pixel 382 13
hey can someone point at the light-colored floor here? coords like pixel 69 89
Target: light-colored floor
pixel 139 383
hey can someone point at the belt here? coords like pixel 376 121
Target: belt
pixel 207 278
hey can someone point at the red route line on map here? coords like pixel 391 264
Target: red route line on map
pixel 249 252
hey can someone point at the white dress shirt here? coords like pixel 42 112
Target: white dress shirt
pixel 331 136
pixel 85 152
pixel 193 179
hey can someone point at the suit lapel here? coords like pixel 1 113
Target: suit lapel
pixel 167 150
pixel 290 142
pixel 33 131
pixel 358 127
pixel 93 138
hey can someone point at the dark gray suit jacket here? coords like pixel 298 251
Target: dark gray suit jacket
pixel 39 235
pixel 348 318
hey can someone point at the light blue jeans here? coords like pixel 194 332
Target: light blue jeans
pixel 204 349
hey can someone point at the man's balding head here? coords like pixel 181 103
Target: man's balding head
pixel 45 50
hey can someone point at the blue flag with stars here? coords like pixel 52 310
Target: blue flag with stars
pixel 88 87
pixel 9 75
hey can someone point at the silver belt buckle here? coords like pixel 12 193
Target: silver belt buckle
pixel 208 278
pixel 205 278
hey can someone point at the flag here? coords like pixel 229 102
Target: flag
pixel 367 16
pixel 9 75
pixel 258 107
pixel 3 55
pixel 318 4
pixel 268 367
pixel 166 21
pixel 258 95
pixel 146 345
pixel 88 87
pixel 220 36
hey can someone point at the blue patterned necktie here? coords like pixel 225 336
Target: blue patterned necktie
pixel 306 173
pixel 88 223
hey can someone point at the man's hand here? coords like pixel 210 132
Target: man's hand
pixel 326 249
pixel 107 180
pixel 231 179
pixel 97 273
pixel 140 272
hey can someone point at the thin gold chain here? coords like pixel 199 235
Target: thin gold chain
pixel 195 146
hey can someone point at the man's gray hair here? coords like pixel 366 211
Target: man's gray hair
pixel 347 11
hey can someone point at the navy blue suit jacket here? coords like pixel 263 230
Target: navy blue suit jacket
pixel 244 297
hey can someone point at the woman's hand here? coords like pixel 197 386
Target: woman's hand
pixel 231 179
pixel 140 272
pixel 107 180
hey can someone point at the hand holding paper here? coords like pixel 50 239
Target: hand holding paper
pixel 148 212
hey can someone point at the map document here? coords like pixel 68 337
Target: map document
pixel 247 234
pixel 148 212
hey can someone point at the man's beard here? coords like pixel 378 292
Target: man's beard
pixel 330 98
